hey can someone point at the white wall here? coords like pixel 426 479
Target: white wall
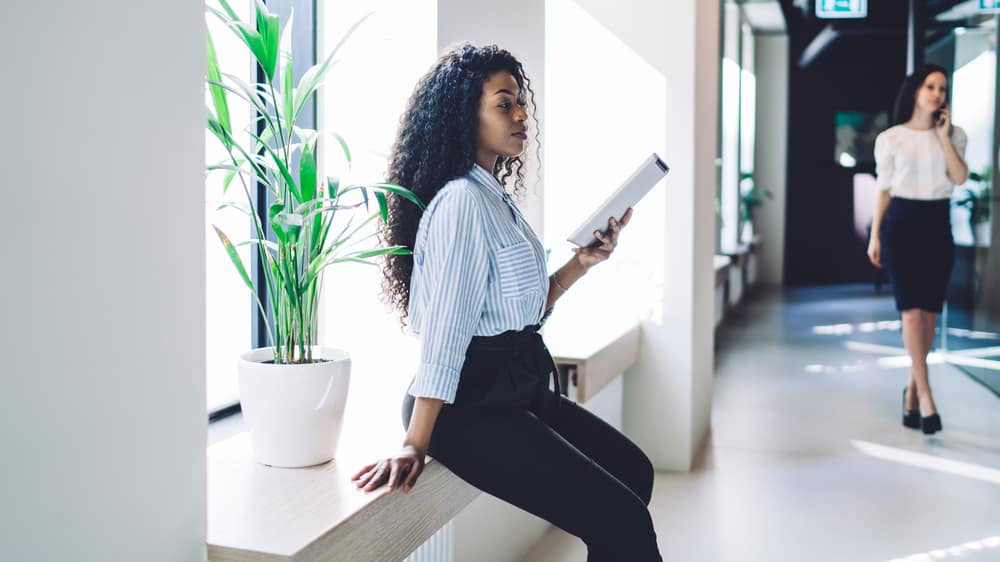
pixel 771 151
pixel 102 427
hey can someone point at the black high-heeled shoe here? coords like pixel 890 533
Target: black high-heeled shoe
pixel 930 424
pixel 911 418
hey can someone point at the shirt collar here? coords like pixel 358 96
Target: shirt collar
pixel 487 180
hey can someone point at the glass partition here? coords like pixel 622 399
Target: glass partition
pixel 970 335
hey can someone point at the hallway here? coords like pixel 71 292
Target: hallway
pixel 807 459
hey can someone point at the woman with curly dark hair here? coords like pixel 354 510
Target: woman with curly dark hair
pixel 476 292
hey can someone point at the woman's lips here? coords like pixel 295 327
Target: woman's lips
pixel 521 136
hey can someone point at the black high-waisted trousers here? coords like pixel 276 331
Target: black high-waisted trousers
pixel 510 436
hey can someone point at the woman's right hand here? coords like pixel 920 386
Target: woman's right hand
pixel 875 253
pixel 402 468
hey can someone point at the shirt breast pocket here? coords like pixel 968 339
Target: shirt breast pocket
pixel 517 270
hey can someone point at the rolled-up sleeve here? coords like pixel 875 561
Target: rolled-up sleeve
pixel 456 272
pixel 884 165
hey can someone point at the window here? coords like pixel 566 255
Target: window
pixel 364 97
pixel 229 305
pixel 578 45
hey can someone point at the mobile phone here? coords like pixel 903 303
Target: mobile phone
pixel 937 114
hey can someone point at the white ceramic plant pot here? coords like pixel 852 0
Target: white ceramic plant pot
pixel 294 412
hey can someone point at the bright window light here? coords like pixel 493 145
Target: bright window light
pixel 363 98
pixel 929 462
pixel 575 182
pixel 229 304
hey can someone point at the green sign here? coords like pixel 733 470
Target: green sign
pixel 827 9
pixel 989 5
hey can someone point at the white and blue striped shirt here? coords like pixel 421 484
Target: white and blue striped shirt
pixel 478 270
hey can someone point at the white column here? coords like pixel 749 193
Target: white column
pixel 103 417
pixel 771 151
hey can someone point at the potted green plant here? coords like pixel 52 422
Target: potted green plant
pixel 293 392
pixel 978 201
pixel 751 197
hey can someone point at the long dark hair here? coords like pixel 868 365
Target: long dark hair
pixel 906 98
pixel 436 143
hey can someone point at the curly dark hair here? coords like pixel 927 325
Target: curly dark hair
pixel 436 143
pixel 907 96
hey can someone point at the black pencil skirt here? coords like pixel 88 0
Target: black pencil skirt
pixel 510 436
pixel 918 251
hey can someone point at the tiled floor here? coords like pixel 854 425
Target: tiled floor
pixel 808 461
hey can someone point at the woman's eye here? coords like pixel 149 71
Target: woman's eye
pixel 505 105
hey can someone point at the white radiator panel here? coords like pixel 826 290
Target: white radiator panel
pixel 439 548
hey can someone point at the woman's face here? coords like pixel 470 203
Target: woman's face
pixel 502 117
pixel 932 93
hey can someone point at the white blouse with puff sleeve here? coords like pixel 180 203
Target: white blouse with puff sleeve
pixel 910 163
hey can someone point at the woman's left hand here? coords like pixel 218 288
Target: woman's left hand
pixel 593 255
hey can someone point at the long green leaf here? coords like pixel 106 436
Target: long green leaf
pixel 285 52
pixel 234 205
pixel 218 94
pixel 401 191
pixel 273 211
pixel 223 136
pixel 268 26
pixel 243 91
pixel 246 33
pixel 252 96
pixel 229 10
pixel 343 146
pixel 234 256
pixel 283 168
pixel 307 170
pixel 324 208
pixel 267 244
pixel 390 251
pixel 383 206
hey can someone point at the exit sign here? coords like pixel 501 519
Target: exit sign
pixel 989 5
pixel 827 9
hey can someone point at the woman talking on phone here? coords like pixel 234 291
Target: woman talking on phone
pixel 918 163
pixel 476 291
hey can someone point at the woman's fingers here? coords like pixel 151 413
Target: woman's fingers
pixel 365 479
pixel 394 473
pixel 362 471
pixel 377 479
pixel 625 218
pixel 607 240
pixel 411 478
pixel 595 254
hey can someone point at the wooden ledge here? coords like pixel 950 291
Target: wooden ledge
pixel 262 514
pixel 596 361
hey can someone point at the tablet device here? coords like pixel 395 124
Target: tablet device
pixel 635 187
